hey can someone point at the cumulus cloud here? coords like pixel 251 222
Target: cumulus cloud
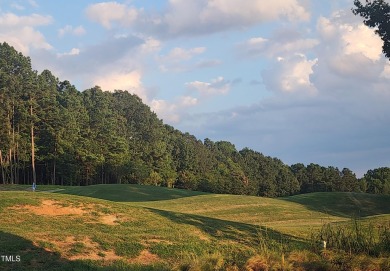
pixel 275 47
pixel 178 59
pixel 200 17
pixel 172 112
pixel 344 122
pixel 351 38
pixel 73 52
pixel 217 86
pixel 68 29
pixel 20 32
pixel 130 81
pixel 108 64
pixel 290 75
pixel 109 13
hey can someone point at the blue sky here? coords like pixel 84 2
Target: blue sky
pixel 301 80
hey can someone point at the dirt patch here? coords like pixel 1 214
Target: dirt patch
pixel 146 243
pixel 109 220
pixel 50 208
pixel 146 258
pixel 202 236
pixel 82 249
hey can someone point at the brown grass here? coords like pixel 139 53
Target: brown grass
pixel 50 208
pixel 146 258
pixel 91 250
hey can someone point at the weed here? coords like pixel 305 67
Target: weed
pixel 355 237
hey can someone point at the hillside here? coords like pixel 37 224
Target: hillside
pixel 295 215
pixel 156 228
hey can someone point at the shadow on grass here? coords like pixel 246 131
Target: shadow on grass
pixel 17 253
pixel 344 204
pixel 245 234
pixel 129 192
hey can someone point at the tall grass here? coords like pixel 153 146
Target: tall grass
pixel 356 237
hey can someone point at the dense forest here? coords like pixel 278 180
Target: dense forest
pixel 51 133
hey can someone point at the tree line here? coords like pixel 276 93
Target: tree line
pixel 51 133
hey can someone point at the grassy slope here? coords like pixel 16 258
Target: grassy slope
pixel 296 215
pixel 173 224
pixel 129 193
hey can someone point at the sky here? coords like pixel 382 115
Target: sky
pixel 301 80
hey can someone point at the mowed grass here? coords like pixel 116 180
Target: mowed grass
pixel 297 215
pixel 133 227
pixel 129 193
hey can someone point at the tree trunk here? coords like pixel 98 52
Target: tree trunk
pixel 11 167
pixel 2 167
pixel 32 147
pixel 54 172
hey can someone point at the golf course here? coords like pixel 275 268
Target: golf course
pixel 139 227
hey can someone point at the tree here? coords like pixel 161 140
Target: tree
pixel 376 13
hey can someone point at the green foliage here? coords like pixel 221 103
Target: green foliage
pixel 60 136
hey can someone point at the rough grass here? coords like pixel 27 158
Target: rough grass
pixel 132 227
pixel 141 236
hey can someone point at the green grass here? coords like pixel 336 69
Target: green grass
pixel 24 187
pixel 344 204
pixel 129 193
pixel 177 227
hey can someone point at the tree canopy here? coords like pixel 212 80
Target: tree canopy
pixel 52 133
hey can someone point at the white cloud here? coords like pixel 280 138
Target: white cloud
pixel 33 3
pixel 274 47
pixel 13 20
pixel 343 124
pixel 172 112
pixel 107 13
pixel 180 54
pixel 73 52
pixel 217 86
pixel 130 81
pixel 177 60
pixel 68 29
pixel 363 40
pixel 19 31
pixel 291 75
pixel 209 16
pixel 189 18
pixel 17 6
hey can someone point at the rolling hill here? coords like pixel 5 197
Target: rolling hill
pixel 134 227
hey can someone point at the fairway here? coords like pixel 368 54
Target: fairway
pixel 129 193
pixel 133 227
pixel 296 215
